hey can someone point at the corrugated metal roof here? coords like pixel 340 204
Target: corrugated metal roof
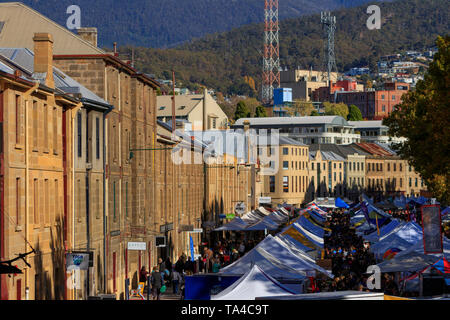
pixel 293 120
pixel 285 140
pixel 21 22
pixel 367 124
pixel 342 150
pixel 24 58
pixel 374 149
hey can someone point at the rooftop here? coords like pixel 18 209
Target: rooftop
pixel 23 59
pixel 184 104
pixel 368 124
pixel 274 121
pixel 374 149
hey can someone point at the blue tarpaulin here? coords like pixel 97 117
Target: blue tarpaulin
pixel 341 203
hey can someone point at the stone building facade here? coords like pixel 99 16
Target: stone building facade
pixel 35 140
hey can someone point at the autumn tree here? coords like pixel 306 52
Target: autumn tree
pixel 300 108
pixel 423 118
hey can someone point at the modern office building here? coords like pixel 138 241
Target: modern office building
pixel 307 130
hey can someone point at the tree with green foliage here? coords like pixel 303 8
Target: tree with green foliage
pixel 242 111
pixel 314 113
pixel 354 114
pixel 336 109
pixel 260 112
pixel 300 108
pixel 423 118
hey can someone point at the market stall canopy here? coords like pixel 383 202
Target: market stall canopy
pixel 341 203
pixel 324 202
pixel 237 224
pixel 385 230
pixel 407 263
pixel 255 283
pixel 392 242
pixel 280 252
pixel 308 225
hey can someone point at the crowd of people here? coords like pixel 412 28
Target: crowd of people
pixel 347 251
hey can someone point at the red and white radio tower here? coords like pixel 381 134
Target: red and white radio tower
pixel 271 59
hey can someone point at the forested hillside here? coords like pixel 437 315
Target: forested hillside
pixel 162 23
pixel 222 60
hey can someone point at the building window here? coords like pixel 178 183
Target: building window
pixel 45 128
pixel 415 184
pixel 114 200
pixel 383 108
pixel 285 151
pixel 79 141
pixel 285 184
pixel 18 201
pixel 401 167
pixel 312 165
pixel 47 203
pixel 285 165
pixel 55 131
pixel 401 182
pixel 388 167
pixel 35 202
pixel 272 183
pixel 18 119
pixel 35 125
pixel 97 138
pixel 393 97
pixel 410 182
pixel 395 167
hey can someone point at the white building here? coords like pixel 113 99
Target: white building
pixel 374 131
pixel 308 130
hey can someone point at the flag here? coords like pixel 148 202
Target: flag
pixel 192 248
pixel 365 211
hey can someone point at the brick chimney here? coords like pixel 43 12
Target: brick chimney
pixel 88 34
pixel 43 57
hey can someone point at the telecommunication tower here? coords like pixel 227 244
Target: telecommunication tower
pixel 329 26
pixel 271 58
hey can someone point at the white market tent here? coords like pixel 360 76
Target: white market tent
pixel 255 283
pixel 266 262
pixel 273 252
pixel 407 263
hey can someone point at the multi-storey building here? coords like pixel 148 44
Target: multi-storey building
pixel 304 82
pixel 374 131
pixel 374 105
pixel 326 174
pixel 37 110
pixel 193 110
pixel 290 183
pixel 354 172
pixel 307 130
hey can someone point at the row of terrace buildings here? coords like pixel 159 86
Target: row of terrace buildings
pixel 87 167
pixel 322 156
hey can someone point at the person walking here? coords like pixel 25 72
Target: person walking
pixel 156 282
pixel 176 277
